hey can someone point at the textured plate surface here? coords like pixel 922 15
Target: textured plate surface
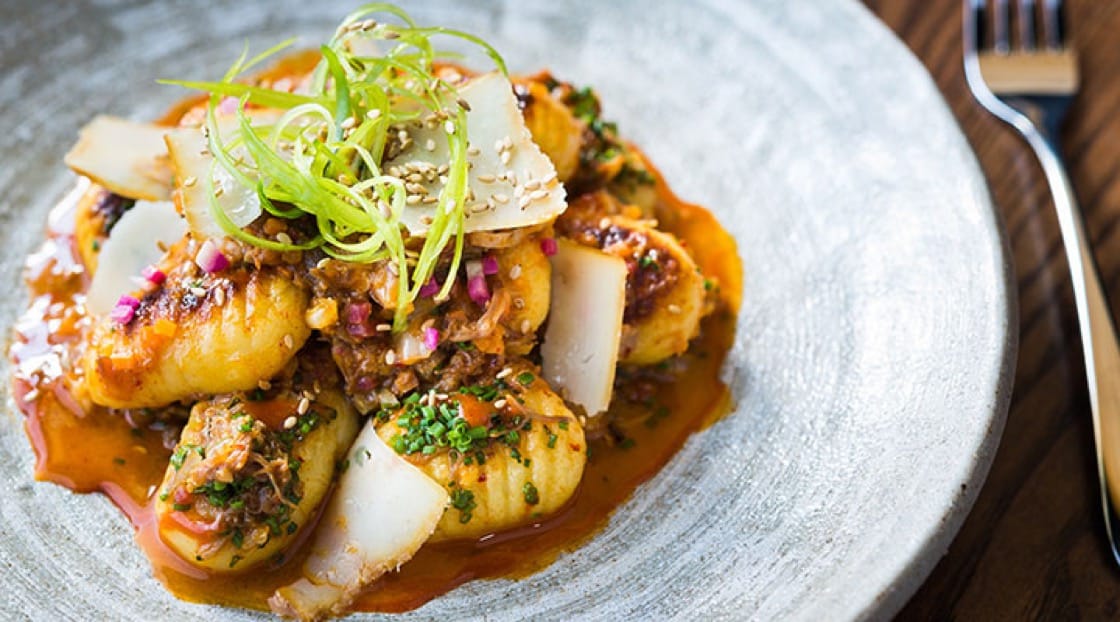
pixel 872 360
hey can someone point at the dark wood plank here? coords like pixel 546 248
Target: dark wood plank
pixel 1034 545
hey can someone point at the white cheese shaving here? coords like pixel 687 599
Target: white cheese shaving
pixel 191 159
pixel 133 245
pixel 580 348
pixel 513 183
pixel 127 157
pixel 383 510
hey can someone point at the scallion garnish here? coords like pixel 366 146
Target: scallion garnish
pixel 323 154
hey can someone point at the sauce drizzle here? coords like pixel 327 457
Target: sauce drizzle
pixel 123 454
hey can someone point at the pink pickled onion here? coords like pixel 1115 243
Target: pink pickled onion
pixel 357 312
pixel 549 246
pixel 431 338
pixel 429 289
pixel 210 259
pixel 228 105
pixel 124 310
pixel 154 275
pixel 479 292
pixel 476 283
pixel 489 265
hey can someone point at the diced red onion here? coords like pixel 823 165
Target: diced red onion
pixel 357 312
pixel 489 265
pixel 431 338
pixel 124 310
pixel 210 259
pixel 154 275
pixel 429 289
pixel 228 105
pixel 549 246
pixel 364 383
pixel 479 292
pixel 361 329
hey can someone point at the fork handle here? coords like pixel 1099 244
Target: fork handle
pixel 1098 331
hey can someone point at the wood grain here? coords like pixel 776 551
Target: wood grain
pixel 1034 545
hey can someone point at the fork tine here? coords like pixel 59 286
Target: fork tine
pixel 1053 17
pixel 1025 29
pixel 1000 14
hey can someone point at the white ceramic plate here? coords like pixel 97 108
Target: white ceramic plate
pixel 874 350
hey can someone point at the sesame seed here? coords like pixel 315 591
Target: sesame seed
pixel 198 292
pixel 430 145
pixel 289 342
pixel 537 195
pixel 675 309
pixel 264 385
pixel 347 123
pixel 604 223
pixel 390 357
pixel 525 326
pixel 511 177
pixel 523 202
pixel 373 114
pixel 426 220
pixel 548 179
pixel 505 157
pixel 500 404
pixel 424 399
pixel 219 191
pixel 473 151
pixel 428 200
pixel 515 272
pixel 383 328
pixel 322 263
pixel 505 372
pixel 412 199
pixel 486 178
pixel 501 198
pixel 532 184
pixel 518 303
pixel 290 422
pixel 499 146
pixel 219 296
pixel 283 238
pixel 190 181
pixel 304 404
pixel 449 127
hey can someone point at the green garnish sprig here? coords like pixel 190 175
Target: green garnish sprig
pixel 323 155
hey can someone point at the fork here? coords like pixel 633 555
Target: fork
pixel 1033 73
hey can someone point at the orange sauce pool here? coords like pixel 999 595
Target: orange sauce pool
pixel 87 448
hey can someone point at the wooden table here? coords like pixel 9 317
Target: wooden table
pixel 1034 545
